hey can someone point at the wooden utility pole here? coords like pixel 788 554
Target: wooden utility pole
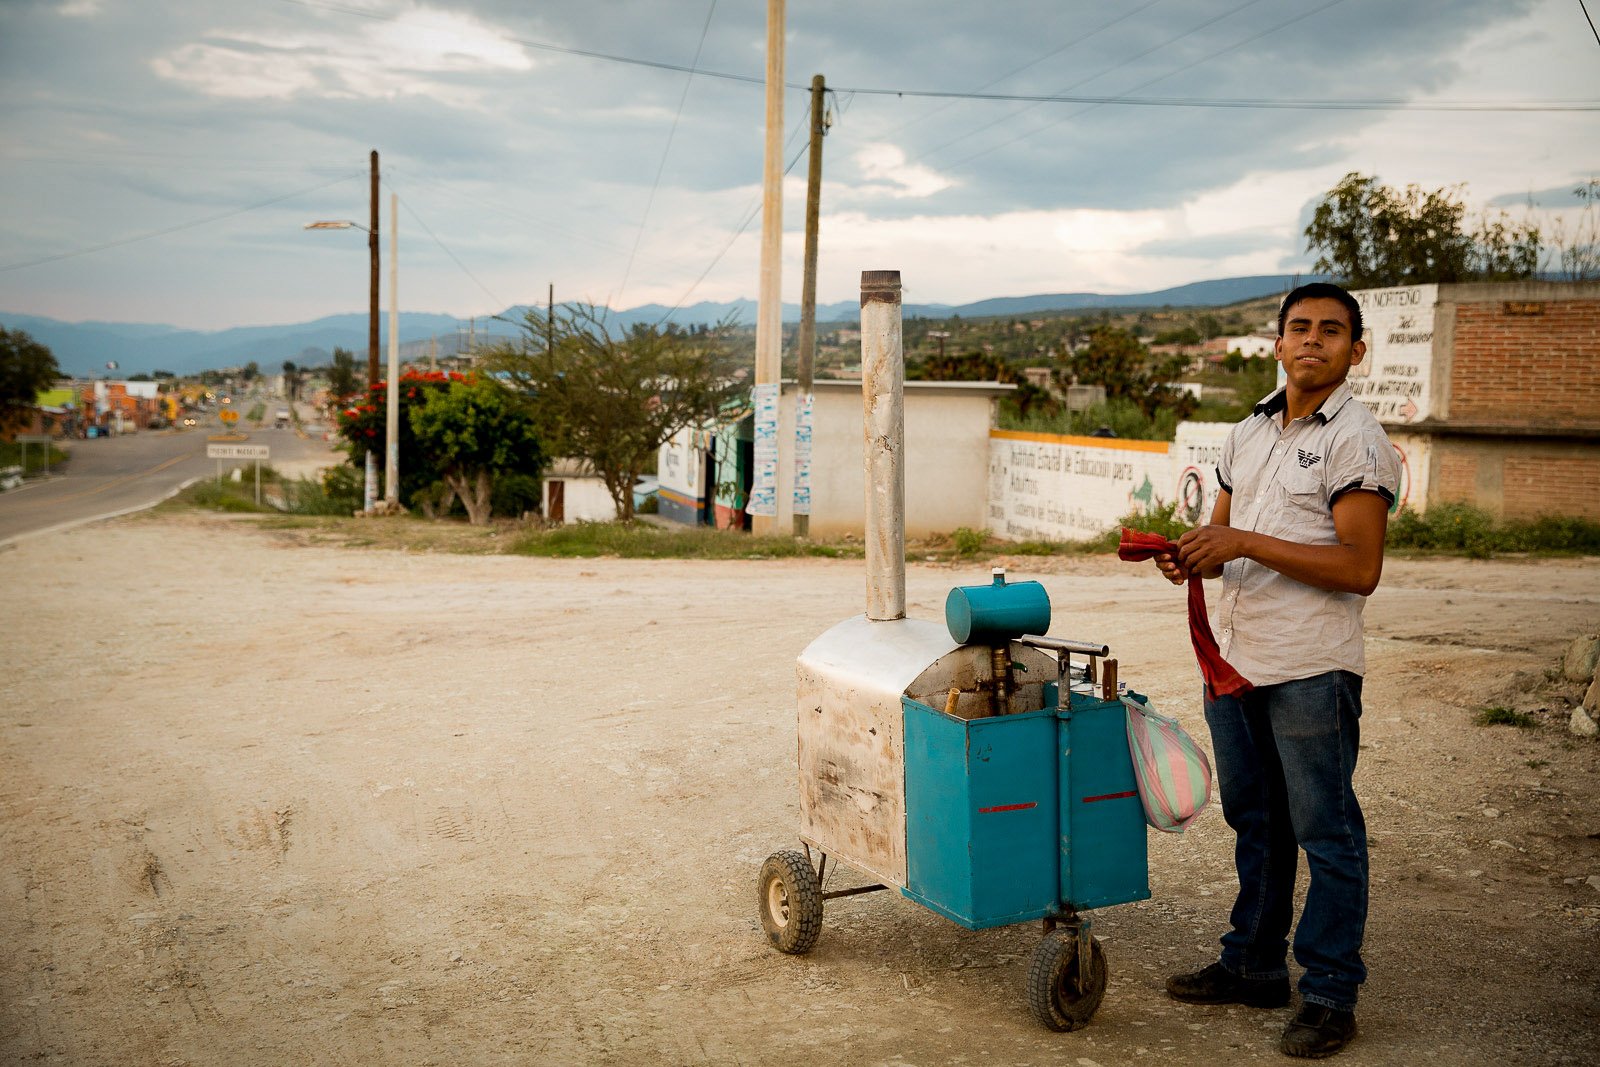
pixel 807 342
pixel 369 493
pixel 372 302
pixel 769 313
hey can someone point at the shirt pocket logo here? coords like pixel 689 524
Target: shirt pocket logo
pixel 1307 459
pixel 1303 501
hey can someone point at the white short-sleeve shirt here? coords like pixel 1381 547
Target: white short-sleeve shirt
pixel 1283 481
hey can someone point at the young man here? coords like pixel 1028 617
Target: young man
pixel 1297 538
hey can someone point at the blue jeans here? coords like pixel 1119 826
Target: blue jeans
pixel 1285 756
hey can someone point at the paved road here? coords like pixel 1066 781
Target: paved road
pixel 109 475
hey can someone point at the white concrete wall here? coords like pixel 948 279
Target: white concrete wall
pixel 947 446
pixel 1050 487
pixel 585 499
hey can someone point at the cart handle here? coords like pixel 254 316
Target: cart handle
pixel 1061 644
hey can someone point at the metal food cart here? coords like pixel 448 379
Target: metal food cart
pixel 976 766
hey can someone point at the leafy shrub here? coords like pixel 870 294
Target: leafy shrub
pixel 338 493
pixel 1120 414
pixel 514 494
pixel 222 497
pixel 1466 530
pixel 967 541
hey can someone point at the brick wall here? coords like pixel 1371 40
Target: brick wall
pixel 1526 363
pixel 1458 476
pixel 1551 485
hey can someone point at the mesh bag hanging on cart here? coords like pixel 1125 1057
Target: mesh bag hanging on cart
pixel 1173 774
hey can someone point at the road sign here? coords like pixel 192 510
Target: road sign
pixel 33 438
pixel 238 451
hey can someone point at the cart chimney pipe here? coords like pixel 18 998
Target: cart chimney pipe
pixel 883 374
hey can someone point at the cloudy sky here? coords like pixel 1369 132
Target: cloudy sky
pixel 531 163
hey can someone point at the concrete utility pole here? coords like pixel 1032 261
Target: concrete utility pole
pixel 369 496
pixel 807 341
pixel 883 398
pixel 550 321
pixel 391 422
pixel 769 314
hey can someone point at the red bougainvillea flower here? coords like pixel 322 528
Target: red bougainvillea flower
pixel 372 433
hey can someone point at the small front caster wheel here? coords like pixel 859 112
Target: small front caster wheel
pixel 1053 992
pixel 789 898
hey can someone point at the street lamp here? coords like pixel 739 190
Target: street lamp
pixel 391 467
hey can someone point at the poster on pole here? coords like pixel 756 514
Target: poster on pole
pixel 764 490
pixel 802 453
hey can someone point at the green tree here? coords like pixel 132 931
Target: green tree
pixel 474 432
pixel 1371 236
pixel 291 378
pixel 614 397
pixel 973 366
pixel 343 381
pixel 363 424
pixel 250 371
pixel 1183 335
pixel 1115 359
pixel 27 368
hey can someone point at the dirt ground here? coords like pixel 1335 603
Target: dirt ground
pixel 270 803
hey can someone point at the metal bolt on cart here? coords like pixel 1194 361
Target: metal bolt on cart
pixel 977 767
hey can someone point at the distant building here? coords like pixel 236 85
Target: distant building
pixel 947 428
pixel 1491 390
pixel 573 492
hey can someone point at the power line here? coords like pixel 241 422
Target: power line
pixel 174 229
pixel 749 217
pixel 413 212
pixel 1191 31
pixel 1171 73
pixel 665 151
pixel 1046 98
pixel 544 46
pixel 1590 21
pixel 1031 63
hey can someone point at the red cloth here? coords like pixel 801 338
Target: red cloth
pixel 1221 679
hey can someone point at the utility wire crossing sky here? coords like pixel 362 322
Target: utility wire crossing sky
pixel 167 154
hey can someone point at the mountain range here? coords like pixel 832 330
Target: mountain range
pixel 84 348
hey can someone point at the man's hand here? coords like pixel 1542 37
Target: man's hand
pixel 1206 548
pixel 1171 569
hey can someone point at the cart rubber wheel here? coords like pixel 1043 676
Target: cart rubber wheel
pixel 1052 981
pixel 789 898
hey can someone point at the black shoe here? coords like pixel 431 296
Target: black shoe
pixel 1317 1031
pixel 1218 985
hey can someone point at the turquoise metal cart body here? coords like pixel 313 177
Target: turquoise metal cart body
pixel 988 779
pixel 1018 817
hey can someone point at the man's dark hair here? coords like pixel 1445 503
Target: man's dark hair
pixel 1322 291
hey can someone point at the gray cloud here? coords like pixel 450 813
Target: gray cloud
pixel 131 119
